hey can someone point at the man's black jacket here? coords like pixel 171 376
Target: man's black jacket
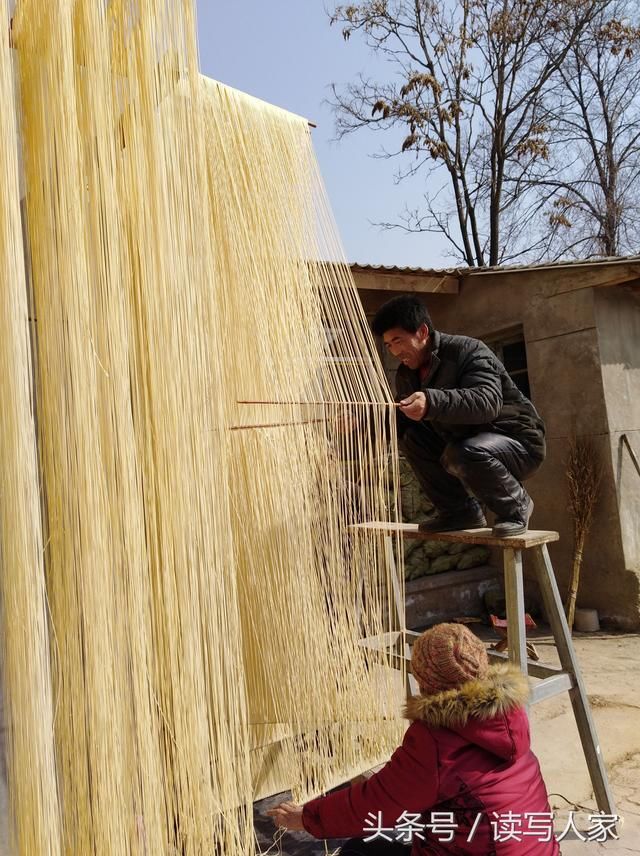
pixel 469 392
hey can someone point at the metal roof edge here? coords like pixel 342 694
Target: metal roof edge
pixel 464 272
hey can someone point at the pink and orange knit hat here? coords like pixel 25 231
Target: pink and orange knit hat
pixel 446 656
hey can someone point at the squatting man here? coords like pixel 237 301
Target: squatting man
pixel 468 432
pixel 472 438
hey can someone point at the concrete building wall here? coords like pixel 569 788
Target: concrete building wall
pixel 618 326
pixel 576 389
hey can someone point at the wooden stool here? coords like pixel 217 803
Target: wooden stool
pixel 552 680
pixel 500 625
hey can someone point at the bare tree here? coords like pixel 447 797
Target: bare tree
pixel 471 96
pixel 592 200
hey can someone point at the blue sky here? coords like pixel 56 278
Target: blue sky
pixel 286 53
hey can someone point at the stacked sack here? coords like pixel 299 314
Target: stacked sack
pixel 430 557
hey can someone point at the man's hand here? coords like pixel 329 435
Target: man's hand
pixel 287 815
pixel 414 406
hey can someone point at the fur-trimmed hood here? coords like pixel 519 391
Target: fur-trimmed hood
pixel 481 711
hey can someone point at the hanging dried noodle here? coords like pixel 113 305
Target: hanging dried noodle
pixel 181 633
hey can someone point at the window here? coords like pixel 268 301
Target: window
pixel 510 349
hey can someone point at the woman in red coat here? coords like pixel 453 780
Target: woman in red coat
pixel 464 780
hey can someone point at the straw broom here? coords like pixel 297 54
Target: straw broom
pixel 583 473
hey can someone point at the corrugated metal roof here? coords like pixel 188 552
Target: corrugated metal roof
pixel 476 271
pixel 418 271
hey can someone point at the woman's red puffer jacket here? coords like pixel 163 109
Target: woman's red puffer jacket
pixel 467 753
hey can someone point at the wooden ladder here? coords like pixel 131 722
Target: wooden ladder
pixel 551 680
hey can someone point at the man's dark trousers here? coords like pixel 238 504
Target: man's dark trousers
pixel 489 465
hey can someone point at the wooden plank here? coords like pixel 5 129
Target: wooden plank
pixel 532 538
pixel 592 279
pixel 558 278
pixel 425 283
pixel 578 695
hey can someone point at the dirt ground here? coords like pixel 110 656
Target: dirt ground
pixel 611 670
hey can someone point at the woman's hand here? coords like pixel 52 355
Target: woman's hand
pixel 287 815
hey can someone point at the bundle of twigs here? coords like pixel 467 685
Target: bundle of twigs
pixel 583 473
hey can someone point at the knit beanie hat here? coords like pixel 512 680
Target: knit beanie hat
pixel 446 656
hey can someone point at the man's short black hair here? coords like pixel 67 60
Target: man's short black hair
pixel 403 311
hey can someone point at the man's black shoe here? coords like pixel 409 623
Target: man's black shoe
pixel 453 521
pixel 507 528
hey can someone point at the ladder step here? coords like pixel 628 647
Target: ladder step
pixel 554 680
pixel 534 668
pixel 550 687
